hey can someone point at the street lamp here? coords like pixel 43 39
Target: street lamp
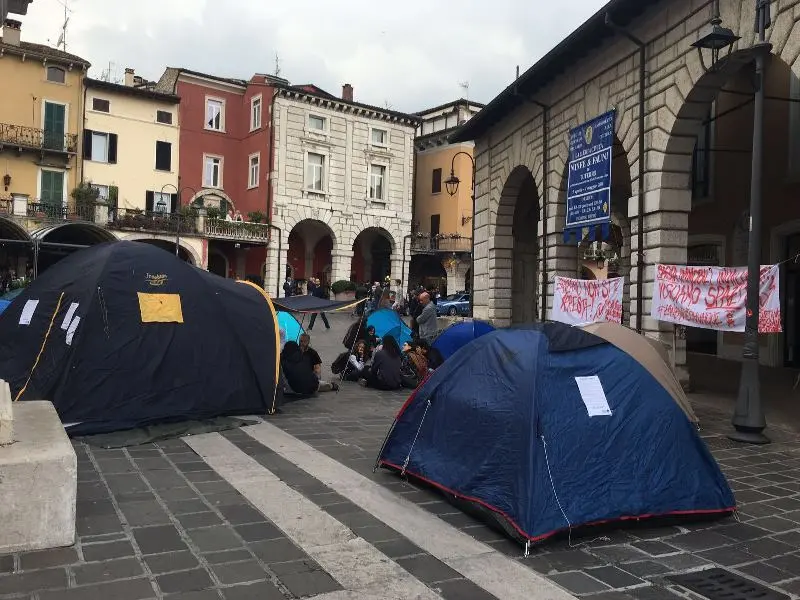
pixel 451 185
pixel 716 39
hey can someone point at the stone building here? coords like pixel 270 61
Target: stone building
pixel 341 188
pixel 681 174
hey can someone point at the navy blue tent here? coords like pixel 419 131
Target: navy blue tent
pixel 505 430
pixel 458 335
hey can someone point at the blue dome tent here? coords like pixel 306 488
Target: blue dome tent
pixel 290 326
pixel 388 322
pixel 458 335
pixel 551 428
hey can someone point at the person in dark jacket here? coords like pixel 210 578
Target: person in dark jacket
pixel 316 290
pixel 298 372
pixel 386 371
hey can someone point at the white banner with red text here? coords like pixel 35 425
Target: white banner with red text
pixel 583 301
pixel 715 297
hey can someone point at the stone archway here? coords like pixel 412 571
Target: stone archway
pixel 183 253
pixel 310 247
pixel 373 249
pixel 516 252
pixel 57 241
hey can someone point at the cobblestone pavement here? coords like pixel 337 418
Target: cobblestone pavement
pixel 157 521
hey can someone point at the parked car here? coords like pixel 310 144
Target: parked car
pixel 454 305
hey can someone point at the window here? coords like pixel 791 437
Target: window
pixel 101 105
pixel 316 123
pixel 436 182
pixel 56 75
pixel 99 146
pixel 163 156
pixel 160 202
pixel 102 191
pixel 255 160
pixel 377 183
pixel 214 115
pixel 380 137
pixel 164 116
pixel 314 172
pixel 51 188
pixel 55 119
pixel 212 173
pixel 255 113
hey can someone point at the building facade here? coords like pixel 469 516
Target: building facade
pixel 442 223
pixel 680 178
pixel 342 188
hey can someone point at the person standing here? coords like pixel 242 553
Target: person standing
pixel 427 319
pixel 316 290
pixel 288 287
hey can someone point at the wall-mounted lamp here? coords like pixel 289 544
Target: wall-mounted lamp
pixel 716 39
pixel 6 181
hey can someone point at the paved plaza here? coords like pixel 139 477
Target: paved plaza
pixel 290 508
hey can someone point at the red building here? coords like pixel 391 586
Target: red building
pixel 225 162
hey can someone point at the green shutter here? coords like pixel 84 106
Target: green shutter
pixel 54 125
pixel 52 188
pixel 47 187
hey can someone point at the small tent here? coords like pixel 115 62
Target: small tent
pixel 551 428
pixel 124 334
pixel 290 326
pixel 388 322
pixel 458 335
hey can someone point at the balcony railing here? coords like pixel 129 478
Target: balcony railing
pixel 155 221
pixel 440 243
pixel 32 138
pixel 236 230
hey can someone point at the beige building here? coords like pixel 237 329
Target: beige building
pixel 680 177
pixel 442 225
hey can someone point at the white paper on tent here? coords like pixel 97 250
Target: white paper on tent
pixel 27 312
pixel 71 331
pixel 593 396
pixel 68 317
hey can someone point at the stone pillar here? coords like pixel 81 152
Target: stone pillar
pixel 400 267
pixel 6 415
pixel 456 275
pixel 276 263
pixel 666 236
pixel 341 264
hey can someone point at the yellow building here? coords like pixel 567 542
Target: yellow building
pixel 442 236
pixel 130 145
pixel 41 107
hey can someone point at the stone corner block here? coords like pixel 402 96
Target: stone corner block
pixel 39 475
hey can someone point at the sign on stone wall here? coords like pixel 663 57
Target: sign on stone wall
pixel 715 297
pixel 584 301
pixel 589 179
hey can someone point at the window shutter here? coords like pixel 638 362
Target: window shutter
pixel 112 148
pixel 163 156
pixel 46 187
pixel 173 200
pixel 87 144
pixel 148 202
pixel 113 196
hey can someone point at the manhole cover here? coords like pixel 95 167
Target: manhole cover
pixel 719 584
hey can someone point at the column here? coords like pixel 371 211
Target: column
pixel 401 265
pixel 341 263
pixel 277 259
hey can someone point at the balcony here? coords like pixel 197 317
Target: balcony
pixel 29 139
pixel 236 230
pixel 152 221
pixel 423 243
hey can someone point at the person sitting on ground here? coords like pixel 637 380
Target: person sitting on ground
pixel 371 340
pixel 299 375
pixel 415 363
pixel 386 370
pixel 313 360
pixel 357 363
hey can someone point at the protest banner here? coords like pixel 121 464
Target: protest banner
pixel 715 297
pixel 580 301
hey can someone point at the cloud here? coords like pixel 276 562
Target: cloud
pixel 411 54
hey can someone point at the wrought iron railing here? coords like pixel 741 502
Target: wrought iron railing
pixel 47 210
pixel 37 139
pixel 140 220
pixel 236 230
pixel 440 243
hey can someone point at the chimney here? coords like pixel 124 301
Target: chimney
pixel 12 31
pixel 347 92
pixel 129 77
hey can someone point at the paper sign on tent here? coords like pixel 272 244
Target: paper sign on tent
pixel 27 312
pixel 68 317
pixel 593 396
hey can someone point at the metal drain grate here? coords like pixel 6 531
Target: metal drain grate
pixel 719 584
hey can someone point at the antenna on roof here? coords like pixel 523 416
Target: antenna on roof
pixel 62 38
pixel 517 77
pixel 277 65
pixel 464 85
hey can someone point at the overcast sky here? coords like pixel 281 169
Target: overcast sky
pixel 410 53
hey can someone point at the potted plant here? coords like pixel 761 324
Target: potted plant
pixel 343 290
pixel 212 212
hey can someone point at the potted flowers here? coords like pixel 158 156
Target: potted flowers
pixel 344 290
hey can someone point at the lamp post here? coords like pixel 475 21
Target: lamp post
pixel 179 194
pixel 748 419
pixel 451 185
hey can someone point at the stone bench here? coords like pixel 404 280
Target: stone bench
pixel 38 479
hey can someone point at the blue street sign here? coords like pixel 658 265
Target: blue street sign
pixel 589 182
